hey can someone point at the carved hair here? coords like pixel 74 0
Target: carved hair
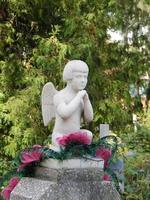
pixel 74 66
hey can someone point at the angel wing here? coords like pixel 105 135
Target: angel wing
pixel 48 109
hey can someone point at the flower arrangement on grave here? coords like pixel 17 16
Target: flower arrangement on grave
pixel 75 144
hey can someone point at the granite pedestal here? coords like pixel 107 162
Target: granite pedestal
pixel 73 179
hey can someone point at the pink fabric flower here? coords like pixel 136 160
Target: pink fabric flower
pixel 13 182
pixel 6 193
pixel 80 137
pixel 105 154
pixel 11 185
pixel 106 177
pixel 28 158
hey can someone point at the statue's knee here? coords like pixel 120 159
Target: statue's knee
pixel 90 134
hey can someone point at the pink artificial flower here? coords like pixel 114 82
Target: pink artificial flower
pixel 14 181
pixel 62 140
pixel 6 193
pixel 105 154
pixel 80 137
pixel 11 185
pixel 29 157
pixel 106 177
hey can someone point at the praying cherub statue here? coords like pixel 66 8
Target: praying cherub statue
pixel 68 105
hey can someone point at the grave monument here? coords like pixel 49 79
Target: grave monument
pixel 76 178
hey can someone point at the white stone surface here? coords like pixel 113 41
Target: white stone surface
pixel 73 163
pixel 104 130
pixel 69 103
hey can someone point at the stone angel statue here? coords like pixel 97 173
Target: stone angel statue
pixel 69 104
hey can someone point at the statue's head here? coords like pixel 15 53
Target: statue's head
pixel 76 73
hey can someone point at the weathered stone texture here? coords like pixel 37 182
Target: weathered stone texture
pixel 65 184
pixel 62 175
pixel 35 189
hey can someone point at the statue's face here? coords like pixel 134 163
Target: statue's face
pixel 79 80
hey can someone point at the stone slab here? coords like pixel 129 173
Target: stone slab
pixel 66 183
pixel 75 175
pixel 35 189
pixel 73 163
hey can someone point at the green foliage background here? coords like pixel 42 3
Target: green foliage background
pixel 38 37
